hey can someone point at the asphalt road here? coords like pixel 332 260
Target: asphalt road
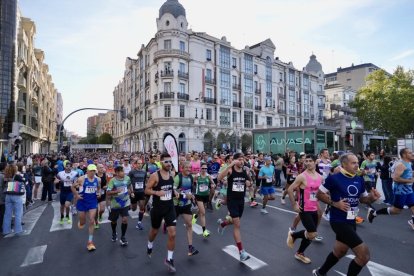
pixel 51 249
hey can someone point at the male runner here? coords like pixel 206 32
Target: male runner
pixel 257 166
pixel 161 187
pixel 266 175
pixel 203 184
pixel 87 202
pixel 238 179
pixel 403 189
pixel 102 200
pixel 344 191
pixel 119 188
pixel 307 207
pixel 138 178
pixel 68 177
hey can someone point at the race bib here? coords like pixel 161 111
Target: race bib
pixel 203 188
pixel 214 175
pixel 312 196
pixel 268 180
pixel 123 190
pixel 238 187
pixel 90 190
pixel 167 196
pixel 372 171
pixel 353 213
pixel 67 184
pixel 139 185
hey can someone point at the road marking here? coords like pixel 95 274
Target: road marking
pixel 253 263
pixel 56 226
pixel 197 229
pixel 34 256
pixel 340 273
pixel 30 220
pixel 377 269
pixel 280 209
pixel 133 214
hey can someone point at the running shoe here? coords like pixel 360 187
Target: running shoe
pixel 264 211
pixel 370 215
pixel 253 204
pixel 290 241
pixel 96 226
pixel 139 226
pixel 206 233
pixel 244 256
pixel 170 265
pixel 194 219
pixel 301 257
pixel 192 251
pixel 114 237
pixel 316 272
pixel 318 238
pixel 359 220
pixel 123 241
pixel 410 222
pixel 69 221
pixel 326 216
pixel 90 246
pixel 282 200
pixel 220 229
pixel 149 252
pixel 218 204
pixel 100 219
pixel 229 219
pixel 61 221
pixel 292 229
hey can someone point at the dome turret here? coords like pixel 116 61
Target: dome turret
pixel 173 7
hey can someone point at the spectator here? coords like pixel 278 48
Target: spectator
pixel 14 202
pixel 2 194
pixel 385 170
pixel 37 171
pixel 48 177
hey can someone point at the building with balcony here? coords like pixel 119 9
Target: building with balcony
pixel 197 87
pixel 36 98
pixel 59 108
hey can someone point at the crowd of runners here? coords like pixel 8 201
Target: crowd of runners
pixel 331 186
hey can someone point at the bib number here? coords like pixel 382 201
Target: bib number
pixel 139 185
pixel 90 190
pixel 124 190
pixel 167 196
pixel 353 213
pixel 203 188
pixel 238 187
pixel 268 180
pixel 67 184
pixel 312 196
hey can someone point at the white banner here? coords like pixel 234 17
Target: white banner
pixel 171 145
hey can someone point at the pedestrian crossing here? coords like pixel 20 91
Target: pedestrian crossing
pixel 56 226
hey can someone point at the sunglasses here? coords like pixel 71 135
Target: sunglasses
pixel 167 162
pixel 204 168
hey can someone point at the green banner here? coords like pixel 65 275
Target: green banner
pixel 261 142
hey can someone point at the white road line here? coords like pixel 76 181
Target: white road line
pixel 340 273
pixel 34 256
pixel 56 226
pixel 197 229
pixel 253 263
pixel 377 269
pixel 105 215
pixel 280 209
pixel 30 219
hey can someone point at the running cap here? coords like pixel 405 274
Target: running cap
pixel 91 167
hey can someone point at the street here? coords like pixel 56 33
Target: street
pixel 53 249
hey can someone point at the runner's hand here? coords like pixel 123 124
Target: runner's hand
pixel 78 197
pixel 160 193
pixel 375 194
pixel 342 205
pixel 297 208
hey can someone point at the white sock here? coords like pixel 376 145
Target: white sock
pixel 150 244
pixel 170 255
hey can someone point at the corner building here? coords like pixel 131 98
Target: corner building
pixel 201 89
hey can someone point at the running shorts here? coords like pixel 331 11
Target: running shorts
pixel 115 213
pixel 309 220
pixel 163 213
pixel 138 196
pixel 235 207
pixel 346 233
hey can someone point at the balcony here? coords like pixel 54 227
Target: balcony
pixel 21 83
pixel 257 91
pixel 147 103
pixel 236 86
pixel 167 74
pixel 209 100
pixel 21 105
pixel 210 80
pixel 237 104
pixel 320 93
pixel 282 97
pixel 257 108
pixel 166 95
pixel 183 96
pixel 321 105
pixel 183 75
pixel 281 111
pixel 171 53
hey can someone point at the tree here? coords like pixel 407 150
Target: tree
pixel 246 142
pixel 83 141
pixel 386 102
pixel 105 138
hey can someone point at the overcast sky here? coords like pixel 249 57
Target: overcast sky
pixel 86 41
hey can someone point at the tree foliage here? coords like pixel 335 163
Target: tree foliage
pixel 105 138
pixel 386 103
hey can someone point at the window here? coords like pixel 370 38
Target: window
pixel 292 122
pixel 182 88
pixel 248 84
pixel 167 44
pixel 208 54
pixel 269 121
pixel 234 80
pixel 256 119
pixel 305 81
pixel 149 115
pixel 209 93
pixel 182 67
pixel 182 111
pixel 282 122
pixel 209 74
pixel 234 62
pixel 248 100
pixel 248 119
pixel 291 78
pixel 225 96
pixel 234 117
pixel 248 64
pixel 291 108
pixel 255 68
pixel 256 86
pixel 167 86
pixel 209 114
pixel 182 45
pixel 167 66
pixel 167 111
pixel 224 117
pixel 225 57
pixel 281 76
pixel 256 101
pixel 291 95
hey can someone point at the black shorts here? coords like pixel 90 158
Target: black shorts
pixel 309 220
pixel 102 198
pixel 183 210
pixel 290 180
pixel 203 199
pixel 115 213
pixel 346 233
pixel 258 182
pixel 235 207
pixel 138 196
pixel 159 213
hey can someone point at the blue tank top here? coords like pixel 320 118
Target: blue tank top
pixel 404 188
pixel 88 190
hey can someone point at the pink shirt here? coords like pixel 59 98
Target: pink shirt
pixel 308 200
pixel 195 166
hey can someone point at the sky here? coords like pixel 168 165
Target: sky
pixel 86 42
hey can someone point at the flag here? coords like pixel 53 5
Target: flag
pixel 170 145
